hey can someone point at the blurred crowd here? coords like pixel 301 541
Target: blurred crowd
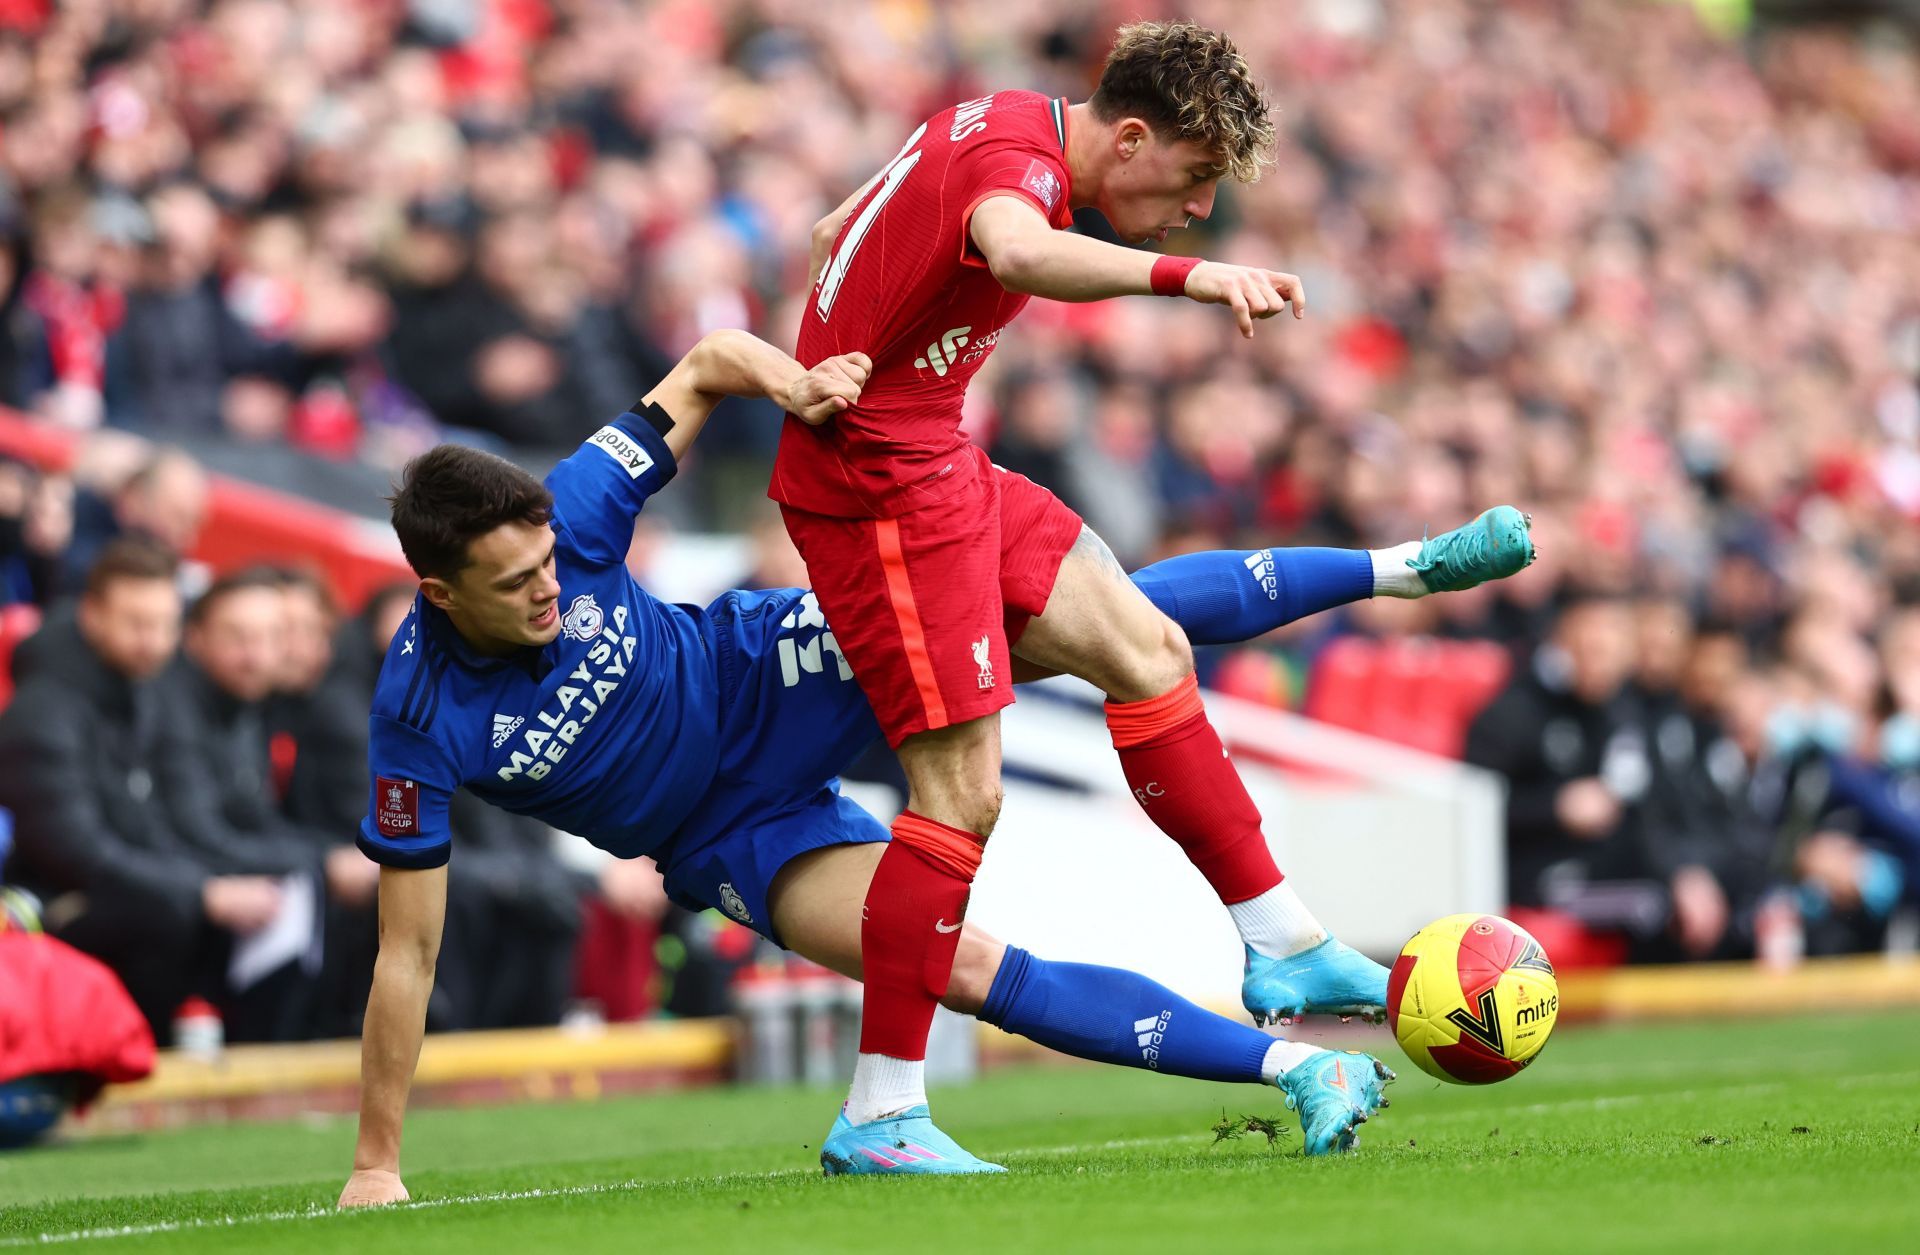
pixel 184 780
pixel 1653 283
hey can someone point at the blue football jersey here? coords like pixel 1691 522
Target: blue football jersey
pixel 609 731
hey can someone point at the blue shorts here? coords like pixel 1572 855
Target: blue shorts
pixel 792 718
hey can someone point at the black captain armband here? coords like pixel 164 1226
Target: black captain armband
pixel 657 418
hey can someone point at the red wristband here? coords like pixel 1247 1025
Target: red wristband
pixel 1170 275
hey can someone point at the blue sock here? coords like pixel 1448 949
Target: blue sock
pixel 1227 595
pixel 1113 1016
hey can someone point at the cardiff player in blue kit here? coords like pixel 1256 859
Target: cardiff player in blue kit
pixel 536 672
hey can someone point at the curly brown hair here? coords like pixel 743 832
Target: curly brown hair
pixel 1188 82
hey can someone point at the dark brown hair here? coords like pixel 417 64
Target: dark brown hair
pixel 130 558
pixel 310 579
pixel 247 579
pixel 1188 82
pixel 450 496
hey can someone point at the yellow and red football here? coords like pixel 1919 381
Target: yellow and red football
pixel 1472 999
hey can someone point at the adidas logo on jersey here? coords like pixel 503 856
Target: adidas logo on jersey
pixel 1260 566
pixel 504 726
pixel 1148 1034
pixel 942 355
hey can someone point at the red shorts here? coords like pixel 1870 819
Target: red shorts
pixel 923 606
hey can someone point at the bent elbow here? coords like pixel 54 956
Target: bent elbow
pixel 1013 265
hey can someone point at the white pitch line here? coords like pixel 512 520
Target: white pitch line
pixel 318 1212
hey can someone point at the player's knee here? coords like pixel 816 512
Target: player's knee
pixel 979 811
pixel 1156 659
pixel 1173 653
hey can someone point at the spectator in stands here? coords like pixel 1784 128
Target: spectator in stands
pixel 1819 799
pixel 164 500
pixel 318 723
pixel 36 526
pixel 19 327
pixel 193 368
pixel 221 788
pixel 61 318
pixel 92 837
pixel 1563 736
pixel 1696 839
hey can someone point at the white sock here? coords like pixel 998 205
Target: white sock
pixel 1284 1055
pixel 884 1086
pixel 1392 577
pixel 1277 923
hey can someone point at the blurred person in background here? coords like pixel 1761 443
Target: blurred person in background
pixel 62 315
pixel 219 786
pixel 1708 847
pixel 93 839
pixel 164 499
pixel 317 720
pixel 36 526
pixel 1563 737
pixel 1820 797
pixel 193 369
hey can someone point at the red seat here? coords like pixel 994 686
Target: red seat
pixel 1340 687
pixel 1414 691
pixel 17 623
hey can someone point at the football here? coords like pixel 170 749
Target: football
pixel 1472 999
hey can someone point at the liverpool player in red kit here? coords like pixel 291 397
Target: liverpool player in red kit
pixel 937 570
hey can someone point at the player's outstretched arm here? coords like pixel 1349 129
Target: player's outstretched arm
pixel 735 364
pixel 413 910
pixel 1027 255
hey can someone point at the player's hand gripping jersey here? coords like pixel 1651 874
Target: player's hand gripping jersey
pixel 610 731
pixel 905 285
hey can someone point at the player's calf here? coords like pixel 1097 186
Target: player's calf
pixel 1115 1016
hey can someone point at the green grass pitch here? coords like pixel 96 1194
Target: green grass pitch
pixel 1769 1135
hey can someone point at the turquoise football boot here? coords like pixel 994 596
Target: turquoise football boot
pixel 1330 979
pixel 902 1145
pixel 1492 547
pixel 1334 1093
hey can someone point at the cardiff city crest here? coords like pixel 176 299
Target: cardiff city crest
pixel 731 903
pixel 584 618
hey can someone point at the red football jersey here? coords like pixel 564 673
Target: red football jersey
pixel 905 286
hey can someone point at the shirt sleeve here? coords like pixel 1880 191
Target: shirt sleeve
pixel 600 489
pixel 1021 167
pixel 413 784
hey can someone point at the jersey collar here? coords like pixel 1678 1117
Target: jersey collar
pixel 447 637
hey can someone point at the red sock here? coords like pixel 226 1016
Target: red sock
pixel 1182 778
pixel 910 930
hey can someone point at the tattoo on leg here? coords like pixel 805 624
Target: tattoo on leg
pixel 1090 546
